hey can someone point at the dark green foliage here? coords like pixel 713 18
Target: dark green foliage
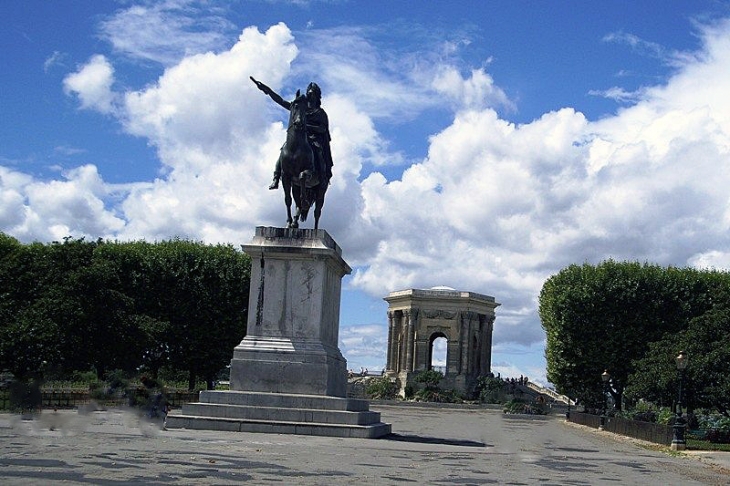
pixel 431 392
pixel 25 396
pixel 647 412
pixel 381 388
pixel 194 296
pixel 77 305
pixel 430 378
pixel 604 317
pixel 29 340
pixel 706 342
pixel 519 406
pixel 439 396
pixel 490 389
pixel 714 428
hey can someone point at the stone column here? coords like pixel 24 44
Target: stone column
pixel 463 342
pixel 390 366
pixel 410 316
pixel 488 349
pixel 407 339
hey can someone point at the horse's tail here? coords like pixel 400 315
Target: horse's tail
pixel 303 214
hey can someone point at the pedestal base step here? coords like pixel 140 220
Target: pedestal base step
pixel 174 421
pixel 277 413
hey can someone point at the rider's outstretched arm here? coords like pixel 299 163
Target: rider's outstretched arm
pixel 274 96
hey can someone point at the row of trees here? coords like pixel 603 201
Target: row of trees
pixel 78 306
pixel 632 319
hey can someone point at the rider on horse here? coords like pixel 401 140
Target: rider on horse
pixel 318 131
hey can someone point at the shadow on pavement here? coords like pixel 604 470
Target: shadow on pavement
pixel 434 440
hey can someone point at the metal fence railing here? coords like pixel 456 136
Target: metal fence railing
pixel 652 432
pixel 74 398
pixel 648 431
pixel 587 419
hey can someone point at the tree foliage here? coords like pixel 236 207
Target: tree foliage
pixel 603 317
pixel 381 388
pixel 706 342
pixel 77 305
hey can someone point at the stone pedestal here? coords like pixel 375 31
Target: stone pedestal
pixel 288 375
pixel 293 319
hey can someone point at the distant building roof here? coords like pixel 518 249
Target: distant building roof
pixel 440 293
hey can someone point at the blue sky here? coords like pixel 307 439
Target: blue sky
pixel 479 145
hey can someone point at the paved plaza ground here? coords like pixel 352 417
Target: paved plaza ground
pixel 430 445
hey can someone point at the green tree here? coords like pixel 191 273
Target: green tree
pixel 76 305
pixel 105 326
pixel 29 343
pixel 25 273
pixel 29 336
pixel 210 313
pixel 706 342
pixel 190 295
pixel 603 317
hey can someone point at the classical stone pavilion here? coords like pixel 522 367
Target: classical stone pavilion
pixel 417 318
pixel 288 375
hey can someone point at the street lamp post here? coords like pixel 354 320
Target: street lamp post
pixel 680 424
pixel 605 377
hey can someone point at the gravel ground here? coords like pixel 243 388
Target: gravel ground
pixel 430 445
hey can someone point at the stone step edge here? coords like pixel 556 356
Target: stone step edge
pixel 287 400
pixel 248 412
pixel 297 409
pixel 174 415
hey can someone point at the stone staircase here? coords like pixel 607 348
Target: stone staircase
pixel 551 393
pixel 279 413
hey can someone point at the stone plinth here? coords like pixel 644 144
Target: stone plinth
pixel 287 374
pixel 293 319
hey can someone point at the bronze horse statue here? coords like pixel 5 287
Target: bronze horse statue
pixel 299 177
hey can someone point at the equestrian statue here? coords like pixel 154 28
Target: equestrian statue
pixel 305 161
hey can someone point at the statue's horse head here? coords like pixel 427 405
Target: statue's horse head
pixel 298 112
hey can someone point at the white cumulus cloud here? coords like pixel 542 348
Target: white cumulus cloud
pixel 92 84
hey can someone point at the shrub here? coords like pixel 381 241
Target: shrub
pixel 664 416
pixel 716 428
pixel 97 390
pixel 430 378
pixel 438 396
pixel 117 380
pixel 647 412
pixel 25 396
pixel 84 376
pixel 490 389
pixel 381 388
pixel 519 406
pixel 431 391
